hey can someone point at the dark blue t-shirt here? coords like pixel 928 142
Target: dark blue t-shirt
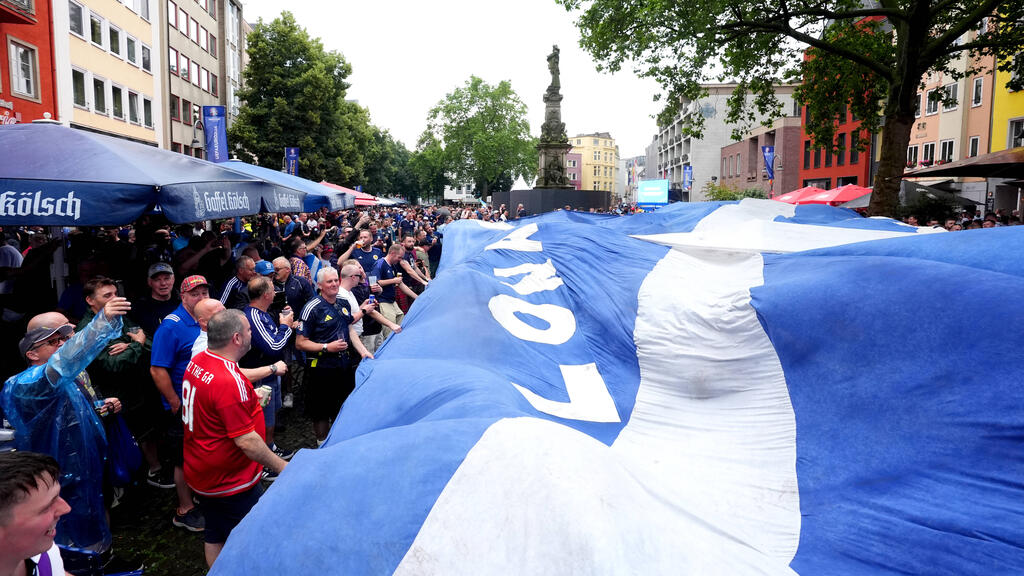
pixel 383 271
pixel 323 322
pixel 367 259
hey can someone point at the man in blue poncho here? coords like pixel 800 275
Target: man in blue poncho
pixel 53 408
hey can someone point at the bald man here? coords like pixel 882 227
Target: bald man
pixel 206 309
pixel 55 388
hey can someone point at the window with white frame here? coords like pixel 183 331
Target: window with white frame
pixel 183 21
pixel 928 152
pixel 172 14
pixel 147 112
pixel 917 106
pixel 183 66
pixel 147 59
pixel 911 154
pixel 931 103
pixel 24 68
pixel 204 79
pixel 946 150
pixel 194 72
pixel 172 60
pixel 950 93
pixel 117 101
pixel 27 5
pixel 572 175
pixel 114 37
pixel 131 50
pixel 979 85
pixel 204 39
pixel 99 95
pixel 1016 133
pixel 975 144
pixel 78 88
pixel 133 108
pixel 96 30
pixel 193 30
pixel 77 16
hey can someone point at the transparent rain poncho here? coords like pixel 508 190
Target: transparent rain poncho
pixel 51 415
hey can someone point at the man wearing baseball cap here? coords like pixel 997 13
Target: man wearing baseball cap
pixel 55 389
pixel 148 312
pixel 172 350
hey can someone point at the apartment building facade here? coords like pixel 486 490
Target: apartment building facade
pixel 599 160
pixel 189 38
pixel 27 83
pixel 107 70
pixel 743 165
pixel 672 149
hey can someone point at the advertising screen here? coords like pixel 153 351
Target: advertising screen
pixel 652 192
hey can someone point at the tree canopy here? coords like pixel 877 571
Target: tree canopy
pixel 484 134
pixel 866 56
pixel 428 167
pixel 294 95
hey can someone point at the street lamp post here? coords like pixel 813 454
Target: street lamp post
pixel 196 123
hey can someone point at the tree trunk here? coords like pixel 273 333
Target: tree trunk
pixel 891 163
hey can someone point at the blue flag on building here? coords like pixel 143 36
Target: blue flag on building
pixel 711 388
pixel 687 177
pixel 215 127
pixel 291 161
pixel 769 160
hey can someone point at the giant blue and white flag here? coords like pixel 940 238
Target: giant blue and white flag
pixel 712 388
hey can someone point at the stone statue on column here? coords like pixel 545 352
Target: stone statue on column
pixel 553 141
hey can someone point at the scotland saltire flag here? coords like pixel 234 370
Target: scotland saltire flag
pixel 712 388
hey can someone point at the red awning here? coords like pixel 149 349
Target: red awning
pixel 362 198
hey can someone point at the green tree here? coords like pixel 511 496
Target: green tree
pixel 721 193
pixel 485 135
pixel 294 95
pixel 868 57
pixel 387 167
pixel 428 168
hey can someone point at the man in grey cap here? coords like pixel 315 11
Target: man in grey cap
pixel 55 389
pixel 149 312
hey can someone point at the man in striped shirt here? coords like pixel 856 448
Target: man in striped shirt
pixel 225 450
pixel 270 336
pixel 235 294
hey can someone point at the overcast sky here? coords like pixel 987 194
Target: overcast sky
pixel 407 54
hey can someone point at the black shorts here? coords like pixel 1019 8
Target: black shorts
pixel 223 514
pixel 173 447
pixel 326 390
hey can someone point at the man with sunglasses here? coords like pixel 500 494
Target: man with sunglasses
pixel 54 410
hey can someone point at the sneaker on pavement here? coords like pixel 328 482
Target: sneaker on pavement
pixel 288 401
pixel 162 478
pixel 283 454
pixel 193 520
pixel 268 475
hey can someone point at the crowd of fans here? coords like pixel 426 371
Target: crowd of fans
pixel 971 220
pixel 263 308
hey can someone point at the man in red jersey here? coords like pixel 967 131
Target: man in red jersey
pixel 225 451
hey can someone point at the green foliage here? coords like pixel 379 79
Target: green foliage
pixel 428 168
pixel 294 95
pixel 714 192
pixel 387 168
pixel 484 134
pixel 871 58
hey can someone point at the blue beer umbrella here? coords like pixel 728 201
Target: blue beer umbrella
pixel 51 175
pixel 317 195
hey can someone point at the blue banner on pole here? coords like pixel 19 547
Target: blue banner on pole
pixel 216 129
pixel 687 177
pixel 359 188
pixel 291 161
pixel 769 160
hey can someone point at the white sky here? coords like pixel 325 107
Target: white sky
pixel 407 54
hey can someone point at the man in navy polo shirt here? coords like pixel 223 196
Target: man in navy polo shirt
pixel 325 335
pixel 172 350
